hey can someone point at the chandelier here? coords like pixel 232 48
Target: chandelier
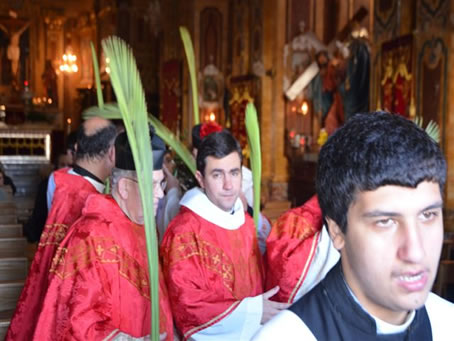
pixel 69 63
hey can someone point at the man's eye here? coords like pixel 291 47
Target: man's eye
pixel 388 222
pixel 429 215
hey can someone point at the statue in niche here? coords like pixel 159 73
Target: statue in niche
pixel 301 52
pixel 13 50
pixel 212 83
pixel 49 78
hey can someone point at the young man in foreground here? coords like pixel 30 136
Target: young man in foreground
pixel 379 183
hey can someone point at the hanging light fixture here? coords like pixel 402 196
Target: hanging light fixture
pixel 68 64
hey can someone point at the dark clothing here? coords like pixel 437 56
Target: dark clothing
pixel 331 313
pixel 35 224
pixel 7 181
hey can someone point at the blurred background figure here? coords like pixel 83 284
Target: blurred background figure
pixel 168 206
pixel 35 224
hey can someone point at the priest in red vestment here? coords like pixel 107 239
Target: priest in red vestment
pixel 99 281
pixel 211 259
pixel 299 252
pixel 93 164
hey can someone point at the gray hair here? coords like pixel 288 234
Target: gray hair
pixel 118 173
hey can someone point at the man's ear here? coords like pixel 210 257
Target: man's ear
pixel 111 154
pixel 336 234
pixel 123 188
pixel 199 178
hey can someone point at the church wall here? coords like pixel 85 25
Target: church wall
pixel 429 25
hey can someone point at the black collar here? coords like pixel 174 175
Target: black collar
pixel 83 172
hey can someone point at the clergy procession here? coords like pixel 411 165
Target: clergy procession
pixel 356 261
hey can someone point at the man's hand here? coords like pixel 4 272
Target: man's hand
pixel 271 308
pixel 172 181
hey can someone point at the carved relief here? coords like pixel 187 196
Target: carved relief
pixel 432 70
pixel 432 12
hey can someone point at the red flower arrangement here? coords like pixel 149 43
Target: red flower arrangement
pixel 209 128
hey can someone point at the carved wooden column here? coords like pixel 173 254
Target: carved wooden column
pixel 274 162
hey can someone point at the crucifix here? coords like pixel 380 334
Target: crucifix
pixel 13 50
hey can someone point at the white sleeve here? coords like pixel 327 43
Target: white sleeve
pixel 172 205
pixel 326 256
pixel 168 211
pixel 50 191
pixel 284 326
pixel 441 314
pixel 240 325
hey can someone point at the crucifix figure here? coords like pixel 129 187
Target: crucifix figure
pixel 13 50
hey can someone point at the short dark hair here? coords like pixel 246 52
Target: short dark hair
pixel 218 145
pixel 373 150
pixel 71 142
pixel 96 145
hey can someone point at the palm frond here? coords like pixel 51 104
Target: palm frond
pixel 189 50
pixel 432 129
pixel 131 101
pixel 97 78
pixel 109 111
pixel 253 136
pixel 112 112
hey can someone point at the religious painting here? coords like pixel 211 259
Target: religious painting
pixel 397 75
pixel 244 89
pixel 431 88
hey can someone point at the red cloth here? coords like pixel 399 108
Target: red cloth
pixel 209 269
pixel 70 194
pixel 99 282
pixel 290 249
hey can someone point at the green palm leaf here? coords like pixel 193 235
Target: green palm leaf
pixel 432 129
pixel 189 50
pixel 97 78
pixel 109 111
pixel 253 136
pixel 131 101
pixel 112 112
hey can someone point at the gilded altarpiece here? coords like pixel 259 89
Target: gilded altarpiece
pixel 410 72
pixel 397 76
pixel 244 89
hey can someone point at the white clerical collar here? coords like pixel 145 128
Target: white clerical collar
pixel 384 327
pixel 97 185
pixel 197 201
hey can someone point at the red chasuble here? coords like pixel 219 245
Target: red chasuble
pixel 291 247
pixel 99 283
pixel 209 269
pixel 69 197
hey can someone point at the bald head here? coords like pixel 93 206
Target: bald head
pixel 94 125
pixel 94 138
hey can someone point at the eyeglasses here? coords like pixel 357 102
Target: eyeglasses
pixel 163 182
